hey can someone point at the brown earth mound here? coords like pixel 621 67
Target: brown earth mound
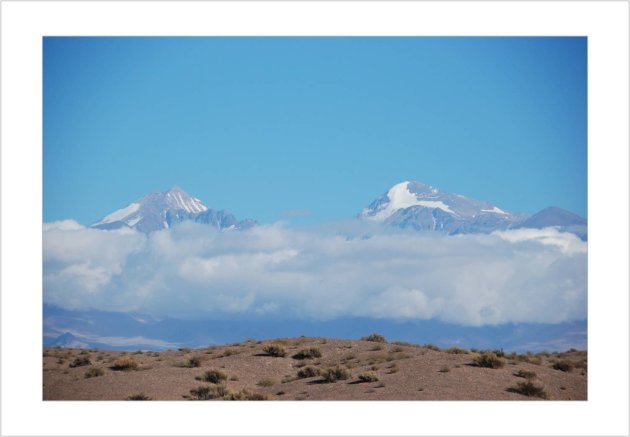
pixel 313 369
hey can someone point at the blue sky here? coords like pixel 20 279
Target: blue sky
pixel 265 126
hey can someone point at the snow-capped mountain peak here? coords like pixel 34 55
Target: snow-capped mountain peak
pixel 400 197
pixel 177 198
pixel 161 210
pixel 421 206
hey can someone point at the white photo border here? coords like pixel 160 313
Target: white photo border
pixel 24 24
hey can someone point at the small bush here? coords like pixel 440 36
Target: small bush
pixel 81 361
pixel 138 397
pixel 84 352
pixel 525 374
pixel 192 362
pixel 375 337
pixel 308 372
pixel 528 388
pixel 488 359
pixel 205 393
pixel 93 372
pixel 311 352
pixel 266 382
pixel 431 347
pixel 368 377
pixel 564 366
pixel 530 358
pixel 275 350
pixel 456 350
pixel 125 363
pixel 213 375
pixel 184 349
pixel 334 374
pixel 444 369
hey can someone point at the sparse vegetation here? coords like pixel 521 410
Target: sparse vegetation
pixel 138 397
pixel 489 360
pixel 204 393
pixel 93 372
pixel 563 365
pixel 525 374
pixel 311 352
pixel 444 369
pixel 246 395
pixel 528 388
pixel 431 347
pixel 456 350
pixel 375 337
pixel 368 377
pixel 275 350
pixel 125 363
pixel 334 374
pixel 308 372
pixel 214 376
pixel 192 362
pixel 530 358
pixel 266 382
pixel 80 361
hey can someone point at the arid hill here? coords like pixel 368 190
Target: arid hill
pixel 314 369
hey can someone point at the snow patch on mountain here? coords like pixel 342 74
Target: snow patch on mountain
pixel 120 214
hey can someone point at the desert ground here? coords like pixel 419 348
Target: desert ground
pixel 313 369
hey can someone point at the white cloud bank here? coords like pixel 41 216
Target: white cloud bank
pixel 272 271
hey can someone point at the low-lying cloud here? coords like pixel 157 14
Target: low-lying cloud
pixel 273 271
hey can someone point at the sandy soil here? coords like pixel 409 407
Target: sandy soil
pixel 403 372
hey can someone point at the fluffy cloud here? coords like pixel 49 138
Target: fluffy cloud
pixel 344 270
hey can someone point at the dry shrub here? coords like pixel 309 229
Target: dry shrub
pixel 528 388
pixel 308 372
pixel 138 397
pixel 93 372
pixel 334 374
pixel 266 382
pixel 192 362
pixel 489 360
pixel 125 363
pixel 456 350
pixel 206 392
pixel 525 374
pixel 375 337
pixel 275 350
pixel 214 376
pixel 563 365
pixel 311 352
pixel 81 361
pixel 368 377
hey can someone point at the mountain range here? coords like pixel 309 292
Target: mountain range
pixel 425 208
pixel 411 205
